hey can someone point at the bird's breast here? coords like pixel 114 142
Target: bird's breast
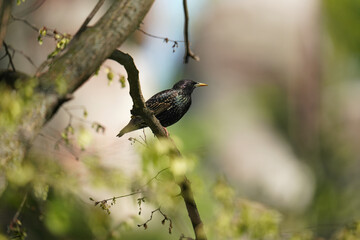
pixel 175 111
pixel 179 103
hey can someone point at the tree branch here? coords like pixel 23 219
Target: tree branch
pixel 92 47
pixel 9 56
pixel 188 52
pixel 21 53
pixel 67 73
pixel 88 19
pixel 26 22
pixel 95 44
pixel 140 109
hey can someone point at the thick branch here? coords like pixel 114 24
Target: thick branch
pixel 95 44
pixel 188 196
pixel 68 72
pixel 139 108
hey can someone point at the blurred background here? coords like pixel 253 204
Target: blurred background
pixel 278 125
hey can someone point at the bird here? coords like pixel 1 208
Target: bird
pixel 168 106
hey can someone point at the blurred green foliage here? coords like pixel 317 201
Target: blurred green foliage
pixel 14 99
pixel 18 2
pixel 52 207
pixel 350 232
pixel 240 218
pixel 55 209
pixel 53 199
pixel 343 21
pixel 273 102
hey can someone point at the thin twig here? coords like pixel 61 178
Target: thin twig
pixel 24 55
pixel 122 196
pixel 155 177
pixel 140 190
pixel 1 58
pixel 9 55
pixel 16 216
pixel 133 140
pixel 188 52
pixel 144 143
pixel 15 224
pixel 143 138
pixel 88 19
pixel 151 216
pixel 26 22
pixel 81 119
pixel 67 147
pixel 12 56
pixel 49 32
pixel 166 39
pixel 166 218
pixel 65 138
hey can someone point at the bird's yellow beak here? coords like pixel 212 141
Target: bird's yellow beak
pixel 200 85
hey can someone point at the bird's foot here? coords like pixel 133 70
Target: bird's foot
pixel 167 133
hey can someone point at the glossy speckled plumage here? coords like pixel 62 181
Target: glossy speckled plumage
pixel 169 106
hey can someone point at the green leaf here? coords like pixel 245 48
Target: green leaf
pixel 43 31
pixel 122 81
pixel 54 53
pixel 18 2
pixel 98 127
pixel 40 40
pixel 84 138
pixel 41 190
pixel 97 71
pixel 70 129
pixel 110 77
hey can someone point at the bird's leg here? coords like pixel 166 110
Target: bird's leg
pixel 167 133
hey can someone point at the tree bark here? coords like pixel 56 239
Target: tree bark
pixel 66 74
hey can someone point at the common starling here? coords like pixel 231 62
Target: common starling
pixel 169 106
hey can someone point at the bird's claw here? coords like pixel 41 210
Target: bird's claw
pixel 167 133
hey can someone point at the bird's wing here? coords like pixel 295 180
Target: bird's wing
pixel 161 101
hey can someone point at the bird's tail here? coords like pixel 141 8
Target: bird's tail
pixel 121 133
pixel 128 128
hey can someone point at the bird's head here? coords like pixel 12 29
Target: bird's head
pixel 187 85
